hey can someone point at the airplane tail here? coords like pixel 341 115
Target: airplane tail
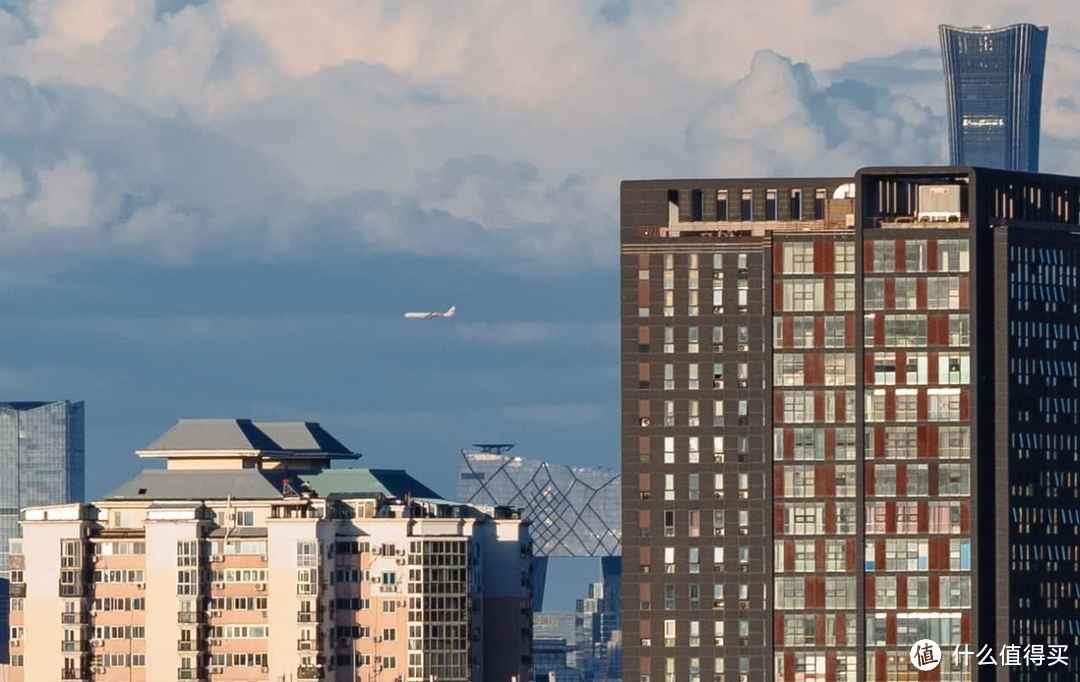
pixel 451 311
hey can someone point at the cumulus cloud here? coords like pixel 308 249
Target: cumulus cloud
pixel 498 130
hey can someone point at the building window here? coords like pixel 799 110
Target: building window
pixel 839 369
pixel 834 331
pixel 804 295
pixel 943 404
pixel 802 332
pixel 693 340
pixel 798 258
pixel 746 205
pixel 959 330
pixel 905 294
pixel 915 255
pixel 788 369
pixel 771 205
pixel 885 480
pixel 943 293
pixel 819 204
pixel 844 256
pixel 953 255
pixel 954 368
pixel 874 294
pixel 954 479
pixel 844 294
pixel 669 339
pixel 697 205
pixel 795 205
pixel 954 442
pixel 905 330
pixel 721 204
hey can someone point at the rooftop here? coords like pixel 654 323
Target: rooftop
pixel 248 436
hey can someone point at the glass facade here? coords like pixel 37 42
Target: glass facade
pixel 41 462
pixel 575 511
pixel 993 81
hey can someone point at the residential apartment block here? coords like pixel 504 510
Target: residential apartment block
pixel 248 558
pixel 850 411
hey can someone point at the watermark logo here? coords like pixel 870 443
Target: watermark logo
pixel 925 655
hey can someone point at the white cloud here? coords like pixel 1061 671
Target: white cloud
pixel 65 196
pixel 246 129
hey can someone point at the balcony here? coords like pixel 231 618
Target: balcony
pixel 74 645
pixel 191 673
pixel 80 674
pixel 191 617
pixel 185 645
pixel 72 590
pixel 307 644
pixel 314 616
pixel 17 590
pixel 75 618
pixel 309 672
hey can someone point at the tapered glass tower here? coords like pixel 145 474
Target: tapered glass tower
pixel 993 88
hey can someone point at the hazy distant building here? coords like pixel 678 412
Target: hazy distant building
pixel 41 462
pixel 993 88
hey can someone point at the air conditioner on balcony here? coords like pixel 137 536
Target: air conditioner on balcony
pixel 216 614
pixel 97 642
pixel 99 670
pixel 220 586
pixel 215 642
pixel 140 586
pixel 263 557
pixel 217 670
pixel 400 562
pixel 378 640
pixel 260 587
pixel 216 559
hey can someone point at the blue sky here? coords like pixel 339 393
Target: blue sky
pixel 220 209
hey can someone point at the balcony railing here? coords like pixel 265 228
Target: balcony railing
pixel 191 617
pixel 309 616
pixel 309 672
pixel 73 645
pixel 80 674
pixel 74 618
pixel 72 590
pixel 185 645
pixel 17 590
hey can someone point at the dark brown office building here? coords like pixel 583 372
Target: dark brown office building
pixel 851 421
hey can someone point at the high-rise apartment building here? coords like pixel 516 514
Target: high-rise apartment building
pixel 42 450
pixel 993 90
pixel 248 558
pixel 850 417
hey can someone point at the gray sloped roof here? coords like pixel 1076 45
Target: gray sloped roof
pixel 302 437
pixel 160 484
pixel 214 434
pixel 247 435
pixel 361 482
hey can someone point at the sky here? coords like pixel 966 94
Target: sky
pixel 222 209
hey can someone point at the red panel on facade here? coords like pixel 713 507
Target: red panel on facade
pixel 778 407
pixel 778 296
pixel 931 441
pixel 923 516
pixel 932 484
pixel 849 329
pixel 901 374
pixel 852 557
pixel 920 405
pixel 789 443
pixel 890 629
pixel 778 518
pixel 778 483
pixel 789 666
pixel 879 442
pixel 890 404
pixel 830 517
pixel 965 517
pixel 890 513
pixel 789 556
pixel 901 256
pixel 901 592
pixel 868 478
pixel 819 555
pixel 819 627
pixel 935 591
pixel 939 556
pixel 821 485
pixel 868 369
pixel 879 554
pixel 819 403
pixel 890 293
pixel 931 255
pixel 830 257
pixel 830 663
pixel 830 444
pixel 777 258
pixel 819 256
pixel 879 330
pixel 841 407
pixel 788 325
pixel 643 294
pixel 868 256
pixel 871 592
pixel 965 292
pixel 901 480
pixel 778 628
pixel 879 664
pixel 965 399
pixel 931 367
pixel 920 293
pixel 965 626
pixel 830 294
pixel 920 441
pixel 644 521
pixel 819 331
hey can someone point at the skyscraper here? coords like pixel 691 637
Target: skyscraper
pixel 41 462
pixel 849 423
pixel 993 89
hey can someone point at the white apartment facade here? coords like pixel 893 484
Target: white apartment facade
pixel 248 559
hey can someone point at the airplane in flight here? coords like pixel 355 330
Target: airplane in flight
pixel 429 316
